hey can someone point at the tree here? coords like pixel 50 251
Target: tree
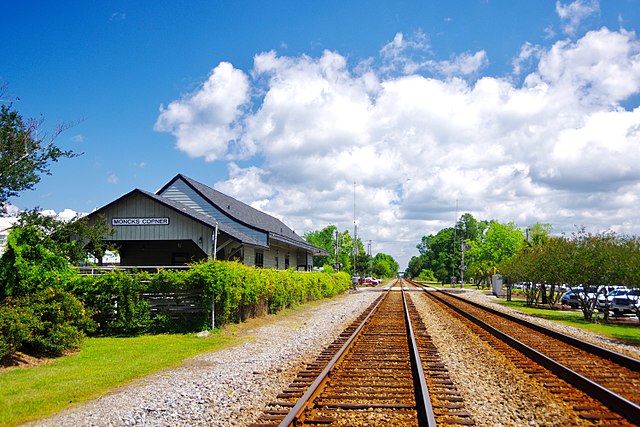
pixel 498 244
pixel 384 265
pixel 469 229
pixel 538 234
pixel 436 254
pixel 587 263
pixel 323 239
pixel 41 250
pixel 326 239
pixel 74 240
pixel 24 154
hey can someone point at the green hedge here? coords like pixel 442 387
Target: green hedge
pixel 51 319
pixel 238 292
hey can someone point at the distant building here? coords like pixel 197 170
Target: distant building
pixel 5 226
pixel 186 221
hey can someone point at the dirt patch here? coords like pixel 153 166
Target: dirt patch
pixel 19 360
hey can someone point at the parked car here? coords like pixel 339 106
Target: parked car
pixel 605 300
pixel 570 298
pixel 627 302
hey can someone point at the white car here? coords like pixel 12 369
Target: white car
pixel 627 302
pixel 574 295
pixel 604 300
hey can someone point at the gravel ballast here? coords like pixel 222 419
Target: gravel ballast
pixel 231 387
pixel 495 391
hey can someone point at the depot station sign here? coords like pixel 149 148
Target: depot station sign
pixel 139 221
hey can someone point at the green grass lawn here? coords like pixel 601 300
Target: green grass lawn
pixel 102 363
pixel 628 333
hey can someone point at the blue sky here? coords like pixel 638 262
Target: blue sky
pixel 510 110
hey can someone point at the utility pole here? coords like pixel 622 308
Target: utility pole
pixel 355 232
pixel 453 266
pixel 337 265
pixel 355 249
pixel 463 268
pixel 369 260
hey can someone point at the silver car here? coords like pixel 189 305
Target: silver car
pixel 626 303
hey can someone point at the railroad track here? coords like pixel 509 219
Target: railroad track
pixel 601 385
pixel 382 370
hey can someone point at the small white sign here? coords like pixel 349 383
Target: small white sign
pixel 139 221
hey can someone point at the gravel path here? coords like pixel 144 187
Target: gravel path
pixel 232 386
pixel 229 387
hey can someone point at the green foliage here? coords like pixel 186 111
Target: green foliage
pixel 384 265
pixel 30 263
pixel 583 260
pixel 240 291
pixel 436 254
pixel 487 244
pixel 61 321
pixel 48 321
pixel 24 155
pixel 427 276
pixel 326 239
pixel 36 313
pixel 499 243
pixel 116 300
pixel 14 328
pixel 237 292
pixel 44 310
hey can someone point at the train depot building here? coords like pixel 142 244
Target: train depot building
pixel 186 221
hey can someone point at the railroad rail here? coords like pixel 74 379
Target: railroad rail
pixel 382 370
pixel 602 385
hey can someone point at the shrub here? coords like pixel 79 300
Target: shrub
pixel 237 292
pixel 49 321
pixel 14 327
pixel 427 275
pixel 116 301
pixel 61 321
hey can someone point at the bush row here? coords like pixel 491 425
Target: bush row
pixel 48 321
pixel 57 316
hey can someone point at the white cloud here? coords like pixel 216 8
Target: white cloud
pixel 556 148
pixel 204 122
pixel 603 67
pixel 413 55
pixel 118 16
pixel 572 14
pixel 463 64
pixel 528 53
pixel 65 215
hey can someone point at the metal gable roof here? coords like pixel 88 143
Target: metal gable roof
pixel 245 214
